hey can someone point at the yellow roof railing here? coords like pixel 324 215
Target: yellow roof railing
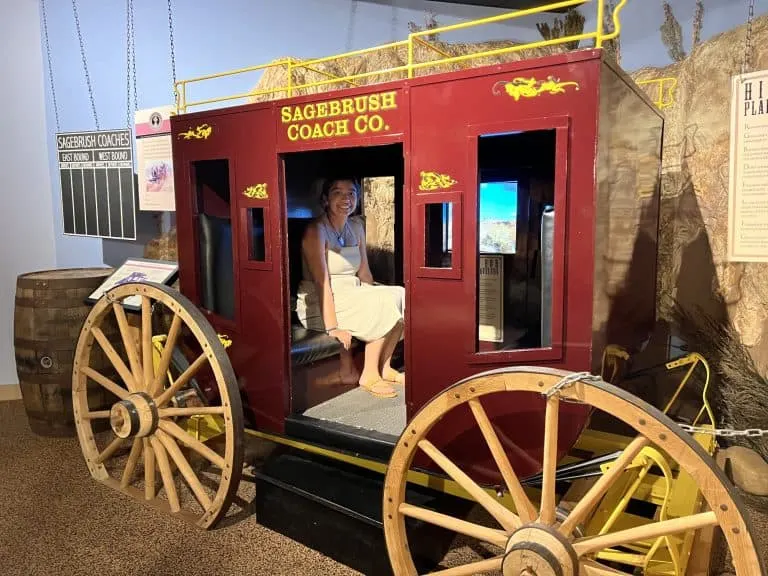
pixel 412 46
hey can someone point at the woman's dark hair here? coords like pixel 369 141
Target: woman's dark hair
pixel 328 183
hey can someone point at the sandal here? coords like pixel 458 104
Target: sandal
pixel 379 389
pixel 395 377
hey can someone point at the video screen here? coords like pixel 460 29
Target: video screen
pixel 498 217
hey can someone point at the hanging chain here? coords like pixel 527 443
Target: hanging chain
pixel 85 64
pixel 133 60
pixel 351 28
pixel 746 65
pixel 50 66
pixel 173 53
pixel 722 432
pixel 128 63
pixel 393 31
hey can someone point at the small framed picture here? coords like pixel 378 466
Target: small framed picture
pixel 137 270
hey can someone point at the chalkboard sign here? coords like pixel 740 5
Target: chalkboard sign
pixel 97 183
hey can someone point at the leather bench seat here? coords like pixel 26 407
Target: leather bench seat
pixel 308 346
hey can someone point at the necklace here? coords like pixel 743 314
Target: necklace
pixel 339 235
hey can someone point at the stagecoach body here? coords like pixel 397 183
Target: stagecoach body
pixel 569 138
pixel 521 216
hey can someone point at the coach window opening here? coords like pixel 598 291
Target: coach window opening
pixel 515 223
pixel 213 219
pixel 324 377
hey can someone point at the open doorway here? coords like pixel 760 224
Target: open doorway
pixel 325 393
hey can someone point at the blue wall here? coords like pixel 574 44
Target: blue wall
pixel 227 34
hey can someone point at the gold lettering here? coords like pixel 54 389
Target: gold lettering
pixel 388 100
pixel 342 127
pixel 361 124
pixel 358 108
pixel 376 123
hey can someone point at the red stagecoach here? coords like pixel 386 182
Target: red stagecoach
pixel 520 212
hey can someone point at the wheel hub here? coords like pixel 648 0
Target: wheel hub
pixel 536 550
pixel 134 417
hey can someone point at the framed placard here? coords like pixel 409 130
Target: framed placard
pixel 491 298
pixel 748 190
pixel 137 270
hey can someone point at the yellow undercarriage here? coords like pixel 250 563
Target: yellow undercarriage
pixel 651 489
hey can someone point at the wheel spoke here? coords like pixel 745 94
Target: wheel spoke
pixel 109 450
pixel 149 470
pixel 190 411
pixel 170 427
pixel 592 497
pixel 495 537
pixel 179 383
pixel 130 466
pixel 165 358
pixel 128 341
pixel 186 470
pixel 645 532
pixel 525 508
pixel 97 414
pixel 116 389
pixel 502 515
pixel 146 341
pixel 114 357
pixel 549 462
pixel 472 569
pixel 165 472
pixel 592 568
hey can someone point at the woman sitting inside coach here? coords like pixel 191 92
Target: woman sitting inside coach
pixel 337 293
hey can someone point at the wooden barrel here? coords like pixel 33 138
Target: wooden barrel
pixel 49 314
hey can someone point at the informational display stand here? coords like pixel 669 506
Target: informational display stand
pixel 748 190
pixel 137 270
pixel 97 183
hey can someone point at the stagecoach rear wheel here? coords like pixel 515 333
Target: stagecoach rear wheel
pixel 535 539
pixel 146 435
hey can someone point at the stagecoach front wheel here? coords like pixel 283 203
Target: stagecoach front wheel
pixel 536 539
pixel 145 432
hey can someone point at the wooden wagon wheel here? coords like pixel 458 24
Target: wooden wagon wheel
pixel 142 416
pixel 533 541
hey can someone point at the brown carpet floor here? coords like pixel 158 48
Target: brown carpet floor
pixel 56 520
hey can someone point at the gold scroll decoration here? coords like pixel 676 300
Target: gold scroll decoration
pixel 259 191
pixel 532 88
pixel 434 181
pixel 199 133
